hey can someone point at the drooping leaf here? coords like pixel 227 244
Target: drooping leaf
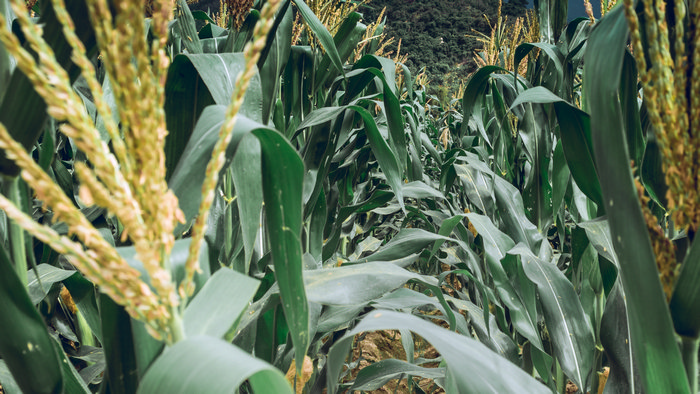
pixel 283 175
pixel 377 374
pixel 210 365
pixel 496 246
pixel 471 366
pixel 38 287
pixel 320 31
pixel 356 284
pixel 569 329
pixel 195 82
pixel 652 335
pixel 25 344
pixel 218 306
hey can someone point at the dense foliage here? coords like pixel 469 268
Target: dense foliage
pixel 440 35
pixel 199 204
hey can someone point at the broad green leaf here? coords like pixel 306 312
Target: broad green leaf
pixel 652 335
pixel 72 381
pixel 598 233
pixel 356 284
pixel 387 159
pixel 84 295
pixel 39 287
pixel 553 54
pixel 685 301
pixel 186 180
pixel 560 179
pixel 377 199
pixel 569 328
pixel 122 375
pixel 615 338
pixel 178 257
pixel 473 95
pixel 406 242
pixel 187 29
pixel 488 333
pixel 25 344
pixel 574 126
pixel 515 223
pixel 246 169
pixel 346 40
pixel 629 94
pixel 536 136
pixel 496 245
pixel 321 33
pixel 195 82
pixel 283 176
pixel 473 367
pixel 274 58
pixel 7 381
pixel 477 186
pixel 217 308
pixel 385 70
pixel 376 375
pixel 210 365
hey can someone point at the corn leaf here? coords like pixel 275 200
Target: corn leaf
pixel 209 366
pixel 471 366
pixel 25 344
pixel 652 336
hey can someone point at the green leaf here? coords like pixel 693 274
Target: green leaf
pixel 72 381
pixel 356 284
pixel 574 126
pixel 471 366
pixel 186 180
pixel 685 301
pixel 217 308
pixel 387 159
pixel 346 40
pixel 321 33
pixel 275 57
pixel 210 365
pixel 477 186
pixel 376 375
pixel 569 328
pixel 249 194
pixel 6 380
pixel 178 257
pixel 615 338
pixel 195 82
pixel 25 344
pixel 406 242
pixel 122 375
pixel 187 29
pixel 283 177
pixel 39 287
pixel 652 335
pixel 496 246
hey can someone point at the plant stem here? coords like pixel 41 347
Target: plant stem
pixel 17 244
pixel 690 348
pixel 176 327
pixel 560 378
pixel 598 357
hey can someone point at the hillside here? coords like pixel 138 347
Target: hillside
pixel 438 34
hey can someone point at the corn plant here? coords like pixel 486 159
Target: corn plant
pixel 199 207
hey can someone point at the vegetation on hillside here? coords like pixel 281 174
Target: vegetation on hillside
pixel 440 35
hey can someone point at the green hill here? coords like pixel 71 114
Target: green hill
pixel 438 34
